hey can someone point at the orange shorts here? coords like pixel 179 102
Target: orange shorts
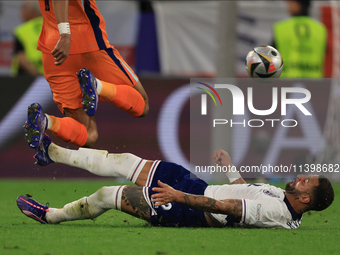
pixel 106 65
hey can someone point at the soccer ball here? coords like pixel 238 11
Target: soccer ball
pixel 264 64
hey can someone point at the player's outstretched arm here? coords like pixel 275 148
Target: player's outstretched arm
pixel 62 48
pixel 167 194
pixel 222 158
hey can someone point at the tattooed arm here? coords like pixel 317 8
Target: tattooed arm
pixel 167 194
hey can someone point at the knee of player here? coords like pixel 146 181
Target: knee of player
pixel 103 192
pixel 128 157
pixel 146 108
pixel 91 139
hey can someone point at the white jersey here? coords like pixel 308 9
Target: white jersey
pixel 263 206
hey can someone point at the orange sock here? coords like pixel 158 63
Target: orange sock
pixel 108 90
pixel 69 130
pixel 124 97
pixel 55 124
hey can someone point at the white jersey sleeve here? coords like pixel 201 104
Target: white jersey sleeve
pixel 266 213
pixel 263 206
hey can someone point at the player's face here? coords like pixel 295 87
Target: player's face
pixel 302 184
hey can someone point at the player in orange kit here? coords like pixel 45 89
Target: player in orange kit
pixel 80 66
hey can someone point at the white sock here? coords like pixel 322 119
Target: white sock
pixel 99 86
pixel 104 199
pixel 99 162
pixel 49 121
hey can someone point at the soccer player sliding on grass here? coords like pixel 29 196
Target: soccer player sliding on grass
pixel 168 195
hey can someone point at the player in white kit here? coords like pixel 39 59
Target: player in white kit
pixel 168 195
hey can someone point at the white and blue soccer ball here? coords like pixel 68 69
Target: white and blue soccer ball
pixel 264 64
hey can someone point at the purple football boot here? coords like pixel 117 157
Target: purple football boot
pixel 35 125
pixel 33 209
pixel 88 86
pixel 41 152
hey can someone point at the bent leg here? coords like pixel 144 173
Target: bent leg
pixel 132 100
pixel 102 163
pixel 77 127
pixel 125 198
pixel 88 207
pixel 89 123
pixel 139 87
pixel 117 82
pixel 135 169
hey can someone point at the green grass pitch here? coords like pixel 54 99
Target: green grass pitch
pixel 117 233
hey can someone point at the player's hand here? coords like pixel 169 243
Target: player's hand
pixel 165 195
pixel 62 49
pixel 221 158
